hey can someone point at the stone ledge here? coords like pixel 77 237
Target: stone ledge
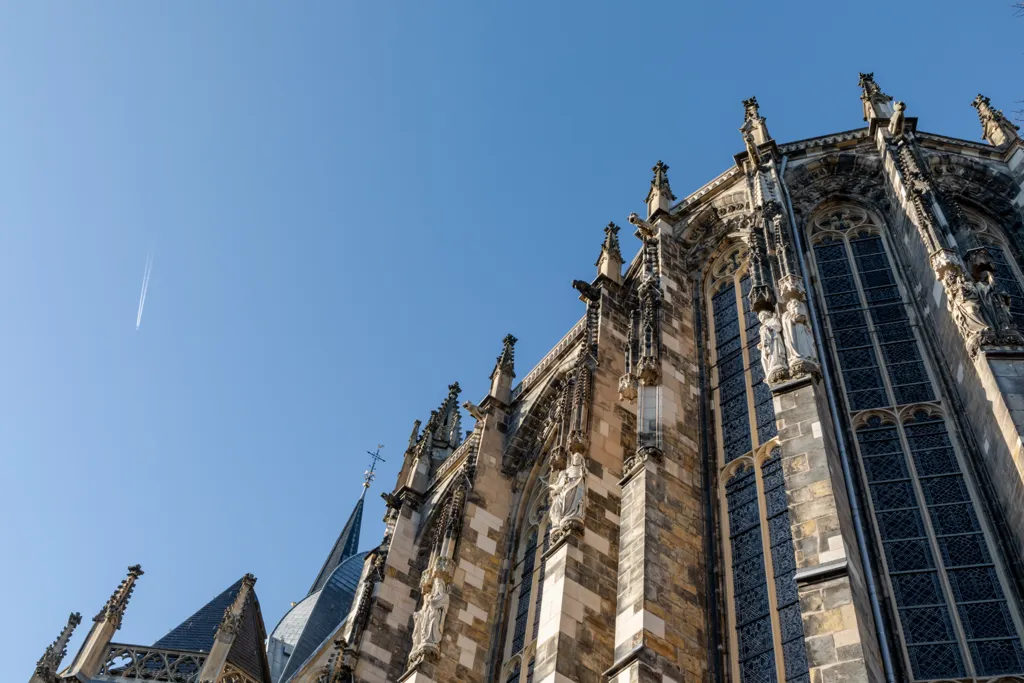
pixel 632 656
pixel 821 572
pixel 790 384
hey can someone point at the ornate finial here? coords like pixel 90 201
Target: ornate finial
pixel 454 389
pixel 660 182
pixel 876 103
pixel 506 359
pixel 867 83
pixel 118 602
pixel 610 246
pixel 751 109
pixel 375 458
pixel 415 433
pixel 995 127
pixel 231 622
pixel 48 664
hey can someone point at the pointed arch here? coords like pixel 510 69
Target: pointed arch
pixel 933 543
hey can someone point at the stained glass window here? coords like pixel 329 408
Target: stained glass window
pixel 746 417
pixel 750 588
pixel 923 609
pixel 1007 280
pixel 523 620
pixel 732 381
pixel 784 569
pixel 525 591
pixel 540 583
pixel 514 676
pixel 953 616
pixel 984 615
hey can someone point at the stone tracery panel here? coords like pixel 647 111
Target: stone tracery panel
pixel 926 515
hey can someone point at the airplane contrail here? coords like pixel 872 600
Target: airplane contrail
pixel 145 286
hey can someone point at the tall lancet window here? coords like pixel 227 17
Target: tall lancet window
pixel 945 579
pixel 766 639
pixel 523 624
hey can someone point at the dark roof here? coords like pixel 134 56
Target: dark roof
pixel 196 633
pixel 345 547
pixel 310 626
pixel 247 651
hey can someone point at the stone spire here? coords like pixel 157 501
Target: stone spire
pixel 89 659
pixel 660 196
pixel 754 123
pixel 346 545
pixel 448 431
pixel 609 263
pixel 877 105
pixel 46 667
pixel 995 127
pixel 504 371
pixel 113 611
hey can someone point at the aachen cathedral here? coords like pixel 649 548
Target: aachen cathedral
pixel 783 444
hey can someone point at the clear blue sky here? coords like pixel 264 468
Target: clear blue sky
pixel 349 204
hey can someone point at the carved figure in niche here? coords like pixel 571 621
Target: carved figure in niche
pixel 799 342
pixel 773 349
pixel 428 622
pixel 568 494
pixel 965 302
pixel 995 302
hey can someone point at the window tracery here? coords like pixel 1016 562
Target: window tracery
pixel 1007 273
pixel 945 580
pixel 766 635
pixel 528 587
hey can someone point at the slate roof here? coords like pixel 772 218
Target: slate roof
pixel 308 625
pixel 196 633
pixel 345 547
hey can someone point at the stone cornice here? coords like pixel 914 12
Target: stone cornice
pixel 729 174
pixel 824 140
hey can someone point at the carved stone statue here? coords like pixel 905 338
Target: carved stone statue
pixel 995 302
pixel 568 494
pixel 773 349
pixel 428 622
pixel 966 307
pixel 799 342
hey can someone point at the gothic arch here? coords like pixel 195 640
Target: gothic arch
pixel 849 176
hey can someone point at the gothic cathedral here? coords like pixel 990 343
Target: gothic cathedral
pixel 783 444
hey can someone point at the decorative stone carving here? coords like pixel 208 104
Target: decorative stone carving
pixel 964 302
pixel 898 120
pixel 803 358
pixel 49 663
pixel 995 127
pixel 118 602
pixel 996 304
pixel 637 461
pixel 752 153
pixel 876 103
pixel 773 348
pixel 428 623
pixel 568 497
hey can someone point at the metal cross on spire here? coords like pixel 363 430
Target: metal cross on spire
pixel 371 473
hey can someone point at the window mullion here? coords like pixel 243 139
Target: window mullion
pixel 933 544
pixel 769 573
pixel 741 319
pixel 883 370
